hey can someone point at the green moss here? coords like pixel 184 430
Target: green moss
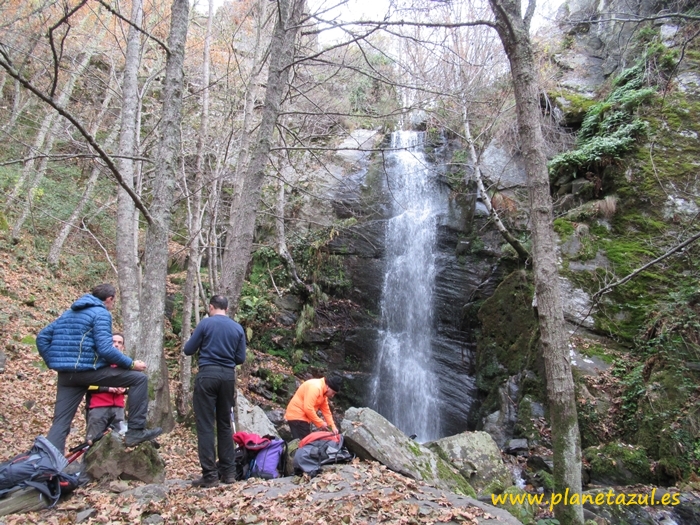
pixel 546 480
pixel 564 228
pixel 414 448
pixel 455 480
pixel 28 340
pixel 619 463
pixel 501 353
pixel 592 349
pixel 524 426
pixel 573 106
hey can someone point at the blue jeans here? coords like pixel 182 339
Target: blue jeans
pixel 212 400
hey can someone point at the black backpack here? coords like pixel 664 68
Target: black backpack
pixel 242 458
pixel 42 468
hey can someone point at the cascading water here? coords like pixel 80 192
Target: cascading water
pixel 404 388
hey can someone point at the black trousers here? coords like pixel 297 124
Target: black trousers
pixel 212 401
pixel 300 429
pixel 72 387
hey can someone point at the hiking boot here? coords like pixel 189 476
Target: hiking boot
pixel 205 483
pixel 229 479
pixel 134 436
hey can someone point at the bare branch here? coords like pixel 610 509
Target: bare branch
pixel 57 56
pixel 139 29
pixel 7 65
pixel 639 270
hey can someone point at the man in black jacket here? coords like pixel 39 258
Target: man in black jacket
pixel 222 345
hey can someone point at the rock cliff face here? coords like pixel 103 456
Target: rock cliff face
pixel 467 266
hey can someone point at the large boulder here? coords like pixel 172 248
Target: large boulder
pixel 371 437
pixel 252 418
pixel 478 459
pixel 109 459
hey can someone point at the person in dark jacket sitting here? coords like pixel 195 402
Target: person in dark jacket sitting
pixel 78 345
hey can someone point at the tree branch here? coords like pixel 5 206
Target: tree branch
pixel 56 57
pixel 71 156
pixel 647 265
pixel 140 30
pixel 6 63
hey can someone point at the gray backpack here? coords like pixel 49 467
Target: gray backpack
pixel 324 448
pixel 42 468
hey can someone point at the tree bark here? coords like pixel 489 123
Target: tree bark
pixel 244 206
pixel 513 28
pixel 156 245
pixel 127 216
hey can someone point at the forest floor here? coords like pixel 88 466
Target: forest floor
pixel 31 296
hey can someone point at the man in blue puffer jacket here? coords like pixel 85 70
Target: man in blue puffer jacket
pixel 78 345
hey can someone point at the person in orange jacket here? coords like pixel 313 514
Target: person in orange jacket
pixel 310 397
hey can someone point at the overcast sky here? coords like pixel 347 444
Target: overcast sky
pixel 376 9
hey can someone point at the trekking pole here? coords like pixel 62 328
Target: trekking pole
pixel 77 451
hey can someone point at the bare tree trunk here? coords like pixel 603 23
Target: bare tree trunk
pixel 156 245
pixel 244 206
pixel 127 217
pixel 281 236
pixel 522 252
pixel 184 399
pixel 17 106
pixel 513 29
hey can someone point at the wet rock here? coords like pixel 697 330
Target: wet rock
pixel 518 447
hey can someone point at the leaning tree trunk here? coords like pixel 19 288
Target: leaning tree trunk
pixel 244 205
pixel 513 29
pixel 85 198
pixel 127 218
pixel 156 245
pixel 519 248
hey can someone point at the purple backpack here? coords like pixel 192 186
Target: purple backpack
pixel 269 462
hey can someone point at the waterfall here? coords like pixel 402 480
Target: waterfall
pixel 404 385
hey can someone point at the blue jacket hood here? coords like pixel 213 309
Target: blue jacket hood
pixel 86 301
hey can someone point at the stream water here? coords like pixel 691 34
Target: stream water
pixel 404 386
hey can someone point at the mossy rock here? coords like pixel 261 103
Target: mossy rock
pixel 502 353
pixel 667 418
pixel 572 105
pixel 618 464
pixel 525 511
